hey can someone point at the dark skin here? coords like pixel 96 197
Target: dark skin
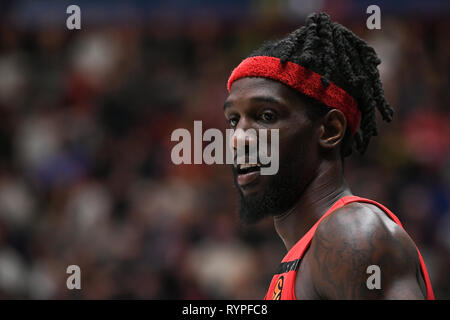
pixel 353 237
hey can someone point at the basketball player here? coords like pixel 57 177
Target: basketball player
pixel 320 87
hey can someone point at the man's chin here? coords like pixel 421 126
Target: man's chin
pixel 269 196
pixel 255 206
pixel 252 208
pixel 249 216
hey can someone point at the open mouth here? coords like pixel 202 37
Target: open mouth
pixel 247 173
pixel 247 168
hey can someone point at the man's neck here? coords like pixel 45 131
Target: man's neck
pixel 321 193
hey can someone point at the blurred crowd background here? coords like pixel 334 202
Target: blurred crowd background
pixel 85 121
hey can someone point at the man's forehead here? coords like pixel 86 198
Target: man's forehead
pixel 248 85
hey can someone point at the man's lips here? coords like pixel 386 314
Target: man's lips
pixel 247 173
pixel 247 178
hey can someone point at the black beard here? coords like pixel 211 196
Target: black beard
pixel 281 194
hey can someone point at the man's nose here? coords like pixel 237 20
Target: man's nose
pixel 243 135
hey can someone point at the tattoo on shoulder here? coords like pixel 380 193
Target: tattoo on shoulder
pixel 356 257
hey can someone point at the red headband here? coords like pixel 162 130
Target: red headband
pixel 301 79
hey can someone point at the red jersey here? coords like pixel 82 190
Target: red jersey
pixel 282 286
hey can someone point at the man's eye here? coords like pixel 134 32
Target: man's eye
pixel 233 122
pixel 268 116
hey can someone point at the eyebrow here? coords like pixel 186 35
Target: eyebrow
pixel 227 104
pixel 257 99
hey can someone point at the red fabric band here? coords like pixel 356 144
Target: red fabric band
pixel 301 79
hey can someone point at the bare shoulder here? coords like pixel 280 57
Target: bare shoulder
pixel 355 237
pixel 358 221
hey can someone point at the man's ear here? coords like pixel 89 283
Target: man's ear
pixel 332 129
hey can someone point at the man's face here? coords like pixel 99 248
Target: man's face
pixel 261 103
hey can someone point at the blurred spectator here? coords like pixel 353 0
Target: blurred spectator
pixel 85 170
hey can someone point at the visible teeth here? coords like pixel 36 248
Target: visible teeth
pixel 247 165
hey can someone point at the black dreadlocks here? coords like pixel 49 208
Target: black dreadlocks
pixel 340 56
